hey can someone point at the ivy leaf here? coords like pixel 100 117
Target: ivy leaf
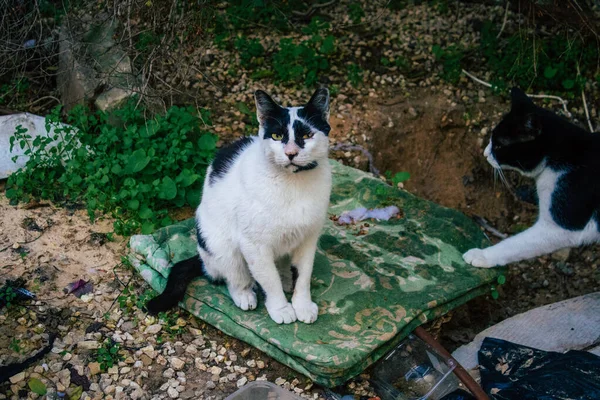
pixel 167 189
pixel 193 197
pixel 400 177
pixel 37 386
pixel 501 280
pixel 243 108
pixel 568 84
pixel 147 228
pixel 137 161
pixel 550 72
pixel 207 142
pixel 133 204
pixel 186 178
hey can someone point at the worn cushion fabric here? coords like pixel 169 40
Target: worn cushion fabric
pixel 373 284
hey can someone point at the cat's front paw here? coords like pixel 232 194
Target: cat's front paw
pixel 282 315
pixel 244 299
pixel 478 258
pixel 306 311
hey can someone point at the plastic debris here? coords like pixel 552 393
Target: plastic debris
pixel 511 371
pixel 79 288
pixel 361 213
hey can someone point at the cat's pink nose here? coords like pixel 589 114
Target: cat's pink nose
pixel 291 155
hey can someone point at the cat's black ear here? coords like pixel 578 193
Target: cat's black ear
pixel 265 105
pixel 319 103
pixel 520 100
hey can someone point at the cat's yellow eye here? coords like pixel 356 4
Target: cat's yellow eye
pixel 276 136
pixel 308 135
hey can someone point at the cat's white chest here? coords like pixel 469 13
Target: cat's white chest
pixel 546 185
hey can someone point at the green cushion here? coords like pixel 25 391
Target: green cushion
pixel 372 287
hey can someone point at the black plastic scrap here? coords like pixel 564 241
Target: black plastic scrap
pixel 510 371
pixel 12 369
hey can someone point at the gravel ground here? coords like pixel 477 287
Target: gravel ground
pixel 180 357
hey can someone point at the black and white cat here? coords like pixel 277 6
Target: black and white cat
pixel 263 206
pixel 565 162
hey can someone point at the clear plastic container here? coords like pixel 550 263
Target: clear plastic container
pixel 262 390
pixel 413 370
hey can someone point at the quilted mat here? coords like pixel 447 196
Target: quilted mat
pixel 374 283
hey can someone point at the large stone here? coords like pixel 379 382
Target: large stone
pixel 76 81
pixel 88 345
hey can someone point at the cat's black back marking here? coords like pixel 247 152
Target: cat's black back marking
pixel 529 136
pixel 225 157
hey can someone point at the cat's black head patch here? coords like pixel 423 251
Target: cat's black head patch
pixel 316 111
pixel 517 140
pixel 274 118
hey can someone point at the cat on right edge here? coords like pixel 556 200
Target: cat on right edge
pixel 564 160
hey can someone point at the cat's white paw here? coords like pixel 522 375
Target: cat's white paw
pixel 306 311
pixel 478 258
pixel 282 315
pixel 244 299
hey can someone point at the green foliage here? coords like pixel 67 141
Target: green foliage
pixel 37 386
pixel 246 14
pixel 397 178
pixel 108 354
pixel 135 169
pixel 250 50
pixel 356 12
pixel 450 58
pixel 146 41
pixel 8 295
pixel 355 74
pixel 16 91
pixel 130 298
pixel 15 345
pixel 250 118
pixel 549 64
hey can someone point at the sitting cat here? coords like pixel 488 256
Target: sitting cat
pixel 565 162
pixel 264 202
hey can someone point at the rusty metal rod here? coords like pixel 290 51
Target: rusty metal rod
pixel 459 371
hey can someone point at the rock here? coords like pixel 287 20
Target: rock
pixel 127 326
pixel 136 394
pixel 280 381
pixel 215 370
pixel 177 363
pixel 110 389
pixel 113 99
pixel 17 378
pixel 210 385
pixel 149 351
pixel 114 370
pixel 260 364
pixel 75 80
pixel 241 382
pixel 153 330
pixel 146 360
pixel 125 370
pixel 191 349
pixel 173 393
pixel 168 373
pixel 561 255
pixel 88 345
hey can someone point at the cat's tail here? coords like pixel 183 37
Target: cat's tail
pixel 180 276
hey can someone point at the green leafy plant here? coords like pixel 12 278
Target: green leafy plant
pixel 305 60
pixel 8 295
pixel 108 354
pixel 450 58
pixel 355 74
pixel 251 51
pixel 135 169
pixel 356 12
pixel 15 345
pixel 37 386
pixel 397 178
